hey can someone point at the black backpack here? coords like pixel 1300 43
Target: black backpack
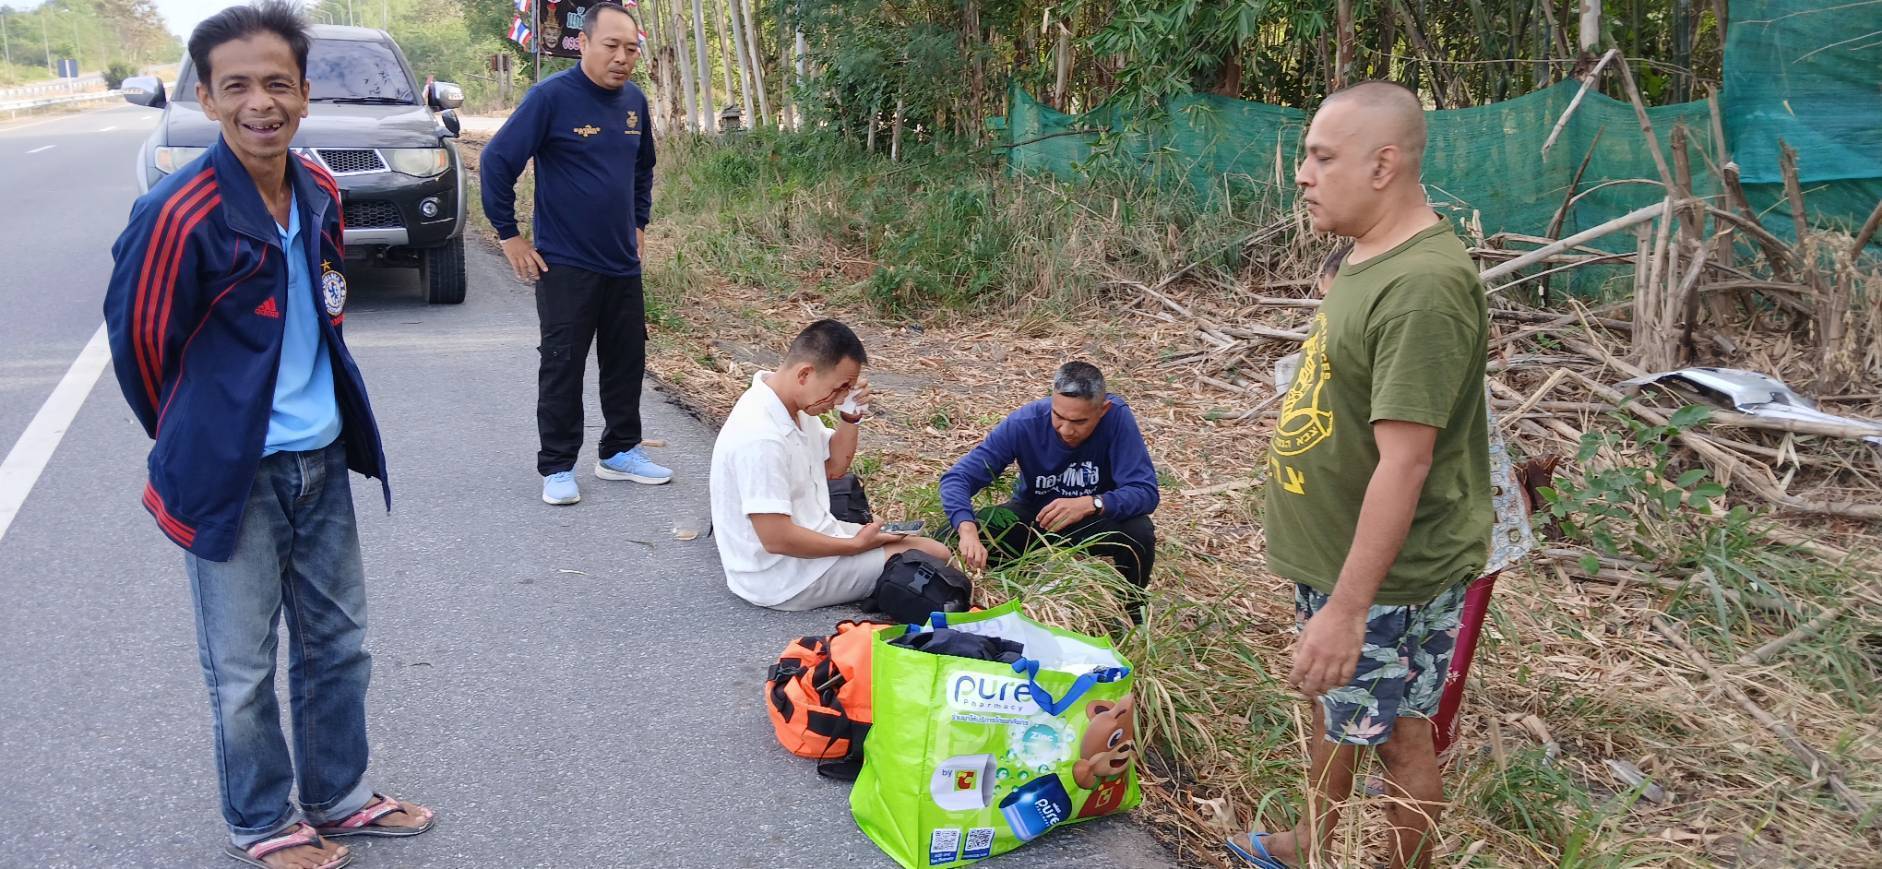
pixel 848 501
pixel 915 585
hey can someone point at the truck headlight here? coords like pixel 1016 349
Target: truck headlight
pixel 422 162
pixel 169 160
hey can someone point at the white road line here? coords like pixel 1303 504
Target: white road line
pixel 34 449
pixel 107 129
pixel 42 148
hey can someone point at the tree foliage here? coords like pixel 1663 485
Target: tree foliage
pixel 951 62
pixel 96 33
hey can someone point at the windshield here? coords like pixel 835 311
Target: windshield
pixel 341 70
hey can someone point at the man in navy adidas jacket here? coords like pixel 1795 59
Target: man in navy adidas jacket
pixel 224 312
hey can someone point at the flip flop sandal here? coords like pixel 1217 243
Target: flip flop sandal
pixel 302 834
pixel 360 823
pixel 1260 856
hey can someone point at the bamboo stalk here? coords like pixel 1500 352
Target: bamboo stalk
pixel 1795 426
pixel 1638 215
pixel 1586 83
pixel 1646 126
pixel 1869 228
pixel 1625 578
pixel 1757 657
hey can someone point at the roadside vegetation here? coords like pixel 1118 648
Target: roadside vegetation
pixel 1683 672
pixel 970 284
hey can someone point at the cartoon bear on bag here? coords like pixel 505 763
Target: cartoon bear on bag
pixel 1106 754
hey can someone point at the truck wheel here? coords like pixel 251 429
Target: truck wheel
pixel 442 270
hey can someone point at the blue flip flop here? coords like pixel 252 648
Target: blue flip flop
pixel 1261 857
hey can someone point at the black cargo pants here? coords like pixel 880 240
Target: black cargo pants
pixel 577 308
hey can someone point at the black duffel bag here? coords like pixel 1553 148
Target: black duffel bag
pixel 915 585
pixel 848 501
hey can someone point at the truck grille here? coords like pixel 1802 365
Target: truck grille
pixel 372 214
pixel 342 160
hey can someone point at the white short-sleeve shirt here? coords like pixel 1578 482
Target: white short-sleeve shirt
pixel 766 462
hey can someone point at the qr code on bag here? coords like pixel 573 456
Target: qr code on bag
pixel 979 843
pixel 943 846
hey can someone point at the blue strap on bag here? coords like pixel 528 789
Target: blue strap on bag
pixel 1030 669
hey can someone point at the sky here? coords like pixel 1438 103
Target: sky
pixel 180 16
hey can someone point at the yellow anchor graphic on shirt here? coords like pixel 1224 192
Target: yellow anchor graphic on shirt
pixel 1305 421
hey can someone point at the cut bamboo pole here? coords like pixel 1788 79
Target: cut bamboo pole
pixel 1646 125
pixel 1638 215
pixel 1757 657
pixel 1586 83
pixel 1869 228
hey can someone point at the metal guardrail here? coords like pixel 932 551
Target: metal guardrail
pixel 14 108
pixel 58 86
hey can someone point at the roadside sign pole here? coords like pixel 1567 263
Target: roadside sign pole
pixel 536 38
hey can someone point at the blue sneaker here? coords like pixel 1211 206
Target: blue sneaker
pixel 559 488
pixel 633 465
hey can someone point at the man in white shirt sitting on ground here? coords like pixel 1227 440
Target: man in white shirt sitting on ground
pixel 771 468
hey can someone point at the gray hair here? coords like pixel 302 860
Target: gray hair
pixel 1079 380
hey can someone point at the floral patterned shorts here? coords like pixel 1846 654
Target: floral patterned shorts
pixel 1402 667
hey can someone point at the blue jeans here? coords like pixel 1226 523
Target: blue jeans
pixel 298 552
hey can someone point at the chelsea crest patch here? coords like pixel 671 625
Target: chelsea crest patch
pixel 332 289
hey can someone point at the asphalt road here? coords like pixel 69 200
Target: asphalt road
pixel 567 686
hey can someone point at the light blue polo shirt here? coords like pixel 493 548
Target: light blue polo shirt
pixel 306 415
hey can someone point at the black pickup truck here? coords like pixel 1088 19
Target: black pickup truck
pixel 387 140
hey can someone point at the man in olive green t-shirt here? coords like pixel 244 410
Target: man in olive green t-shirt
pixel 1378 503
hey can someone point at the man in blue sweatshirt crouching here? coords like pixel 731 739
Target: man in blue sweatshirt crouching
pixel 1085 478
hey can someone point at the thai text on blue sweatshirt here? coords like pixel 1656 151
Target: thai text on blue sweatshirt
pixel 1113 462
pixel 594 157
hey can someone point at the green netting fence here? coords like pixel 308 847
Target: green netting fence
pixel 1791 72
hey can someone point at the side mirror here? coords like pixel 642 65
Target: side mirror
pixel 444 95
pixel 144 90
pixel 450 121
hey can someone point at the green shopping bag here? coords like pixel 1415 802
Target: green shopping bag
pixel 968 759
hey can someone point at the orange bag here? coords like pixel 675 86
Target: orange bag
pixel 818 697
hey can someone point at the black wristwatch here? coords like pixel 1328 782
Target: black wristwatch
pixel 846 418
pixel 1098 502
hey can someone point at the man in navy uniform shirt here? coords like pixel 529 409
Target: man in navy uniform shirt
pixel 587 129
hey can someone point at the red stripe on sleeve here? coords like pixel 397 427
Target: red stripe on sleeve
pixel 174 263
pixel 140 303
